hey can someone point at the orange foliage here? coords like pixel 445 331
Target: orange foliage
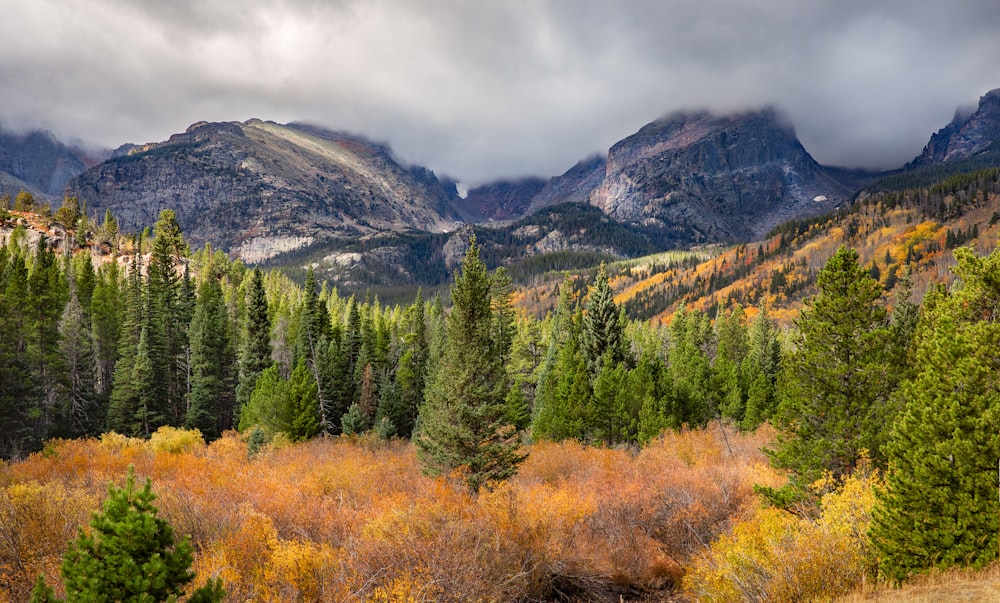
pixel 354 519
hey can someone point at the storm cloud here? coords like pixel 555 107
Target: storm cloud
pixel 482 90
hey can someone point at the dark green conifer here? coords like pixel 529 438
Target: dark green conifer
pixel 463 422
pixel 129 555
pixel 939 507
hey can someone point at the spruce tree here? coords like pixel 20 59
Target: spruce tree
pixel 837 381
pixel 211 400
pixel 939 507
pixel 80 394
pixel 18 386
pixel 167 319
pixel 463 423
pixel 760 370
pixel 130 555
pixel 603 336
pixel 256 353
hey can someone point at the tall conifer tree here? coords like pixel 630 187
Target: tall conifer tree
pixel 463 421
pixel 939 507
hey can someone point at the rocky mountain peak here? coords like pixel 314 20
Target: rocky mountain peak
pixel 715 177
pixel 967 134
pixel 259 189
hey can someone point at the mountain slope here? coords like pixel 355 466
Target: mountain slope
pixel 259 188
pixel 966 135
pixel 35 161
pixel 894 232
pixel 702 178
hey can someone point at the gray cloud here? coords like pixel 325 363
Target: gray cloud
pixel 480 90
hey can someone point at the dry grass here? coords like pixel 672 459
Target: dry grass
pixel 964 586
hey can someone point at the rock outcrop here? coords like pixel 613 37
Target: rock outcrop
pixel 966 135
pixel 716 178
pixel 260 189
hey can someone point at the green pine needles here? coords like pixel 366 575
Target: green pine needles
pixel 939 507
pixel 464 424
pixel 129 555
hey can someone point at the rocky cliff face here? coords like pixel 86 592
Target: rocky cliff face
pixel 696 177
pixel 35 161
pixel 717 178
pixel 260 188
pixel 966 135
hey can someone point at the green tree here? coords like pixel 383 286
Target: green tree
pixel 835 409
pixel 760 370
pixel 939 507
pixel 304 411
pixel 211 400
pixel 256 353
pixel 603 335
pixel 463 422
pixel 81 402
pixel 167 323
pixel 130 555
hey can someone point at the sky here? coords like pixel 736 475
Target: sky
pixel 481 90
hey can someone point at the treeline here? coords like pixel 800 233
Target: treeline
pixel 171 338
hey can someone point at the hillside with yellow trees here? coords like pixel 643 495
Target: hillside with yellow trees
pixel 896 232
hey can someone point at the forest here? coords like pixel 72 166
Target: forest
pixel 321 447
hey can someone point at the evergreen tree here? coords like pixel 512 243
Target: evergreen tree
pixel 107 314
pixel 411 374
pixel 304 411
pixel 268 407
pixel 256 353
pixel 463 421
pixel 47 296
pixel 130 555
pixel 312 345
pixel 211 402
pixel 760 369
pixel 167 320
pixel 603 334
pixel 939 507
pixel 837 381
pixel 18 386
pixel 81 403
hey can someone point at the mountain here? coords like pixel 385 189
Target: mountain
pixel 966 135
pixel 37 162
pixel 260 189
pixel 909 232
pixel 701 178
pixel 502 200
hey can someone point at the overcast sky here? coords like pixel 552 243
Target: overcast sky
pixel 486 89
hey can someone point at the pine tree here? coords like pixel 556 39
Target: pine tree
pixel 837 383
pixel 304 410
pixel 268 404
pixel 939 507
pixel 130 555
pixel 106 317
pixel 47 296
pixel 81 403
pixel 603 333
pixel 411 374
pixel 167 319
pixel 760 369
pixel 18 386
pixel 463 422
pixel 211 401
pixel 256 353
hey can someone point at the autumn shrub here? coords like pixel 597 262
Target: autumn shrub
pixel 774 556
pixel 175 440
pixel 353 519
pixel 37 521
